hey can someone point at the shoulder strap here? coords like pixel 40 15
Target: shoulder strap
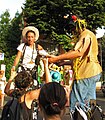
pixel 23 49
pixel 37 59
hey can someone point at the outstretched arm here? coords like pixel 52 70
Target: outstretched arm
pixel 72 54
pixel 66 56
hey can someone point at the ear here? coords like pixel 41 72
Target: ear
pixel 40 107
pixel 41 110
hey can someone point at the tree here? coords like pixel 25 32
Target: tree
pixel 10 35
pixel 47 15
pixel 4 25
pixel 14 35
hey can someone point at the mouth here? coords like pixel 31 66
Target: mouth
pixel 30 41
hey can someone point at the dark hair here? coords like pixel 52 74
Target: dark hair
pixel 23 80
pixel 30 31
pixel 52 98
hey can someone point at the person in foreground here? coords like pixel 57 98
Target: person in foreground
pixel 87 70
pixel 23 82
pixel 52 100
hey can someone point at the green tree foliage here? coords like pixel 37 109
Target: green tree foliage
pixel 10 35
pixel 47 15
pixel 4 25
pixel 14 35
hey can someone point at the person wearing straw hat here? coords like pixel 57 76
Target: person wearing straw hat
pixel 27 51
pixel 28 57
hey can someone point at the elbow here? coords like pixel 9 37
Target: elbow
pixel 6 90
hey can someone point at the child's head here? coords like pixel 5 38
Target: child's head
pixel 52 98
pixel 23 80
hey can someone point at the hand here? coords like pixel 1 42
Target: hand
pixel 45 61
pixel 13 75
pixel 43 54
pixel 13 68
pixel 48 56
pixel 52 59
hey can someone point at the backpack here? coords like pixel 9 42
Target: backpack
pixel 12 110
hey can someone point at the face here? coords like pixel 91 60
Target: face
pixel 30 38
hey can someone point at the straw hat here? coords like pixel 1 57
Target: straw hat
pixel 26 29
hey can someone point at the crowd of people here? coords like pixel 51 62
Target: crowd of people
pixel 51 96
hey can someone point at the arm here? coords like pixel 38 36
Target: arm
pixel 71 54
pixel 42 52
pixel 66 56
pixel 65 62
pixel 47 72
pixel 40 47
pixel 16 61
pixel 7 89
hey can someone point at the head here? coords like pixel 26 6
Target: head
pixel 52 99
pixel 23 80
pixel 74 24
pixel 30 34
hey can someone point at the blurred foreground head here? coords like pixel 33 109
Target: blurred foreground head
pixel 52 99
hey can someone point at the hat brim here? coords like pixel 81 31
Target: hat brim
pixel 34 29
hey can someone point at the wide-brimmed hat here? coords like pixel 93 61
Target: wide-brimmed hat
pixel 34 29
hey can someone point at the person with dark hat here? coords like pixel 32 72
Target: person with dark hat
pixel 87 70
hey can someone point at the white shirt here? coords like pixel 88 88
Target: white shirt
pixel 29 55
